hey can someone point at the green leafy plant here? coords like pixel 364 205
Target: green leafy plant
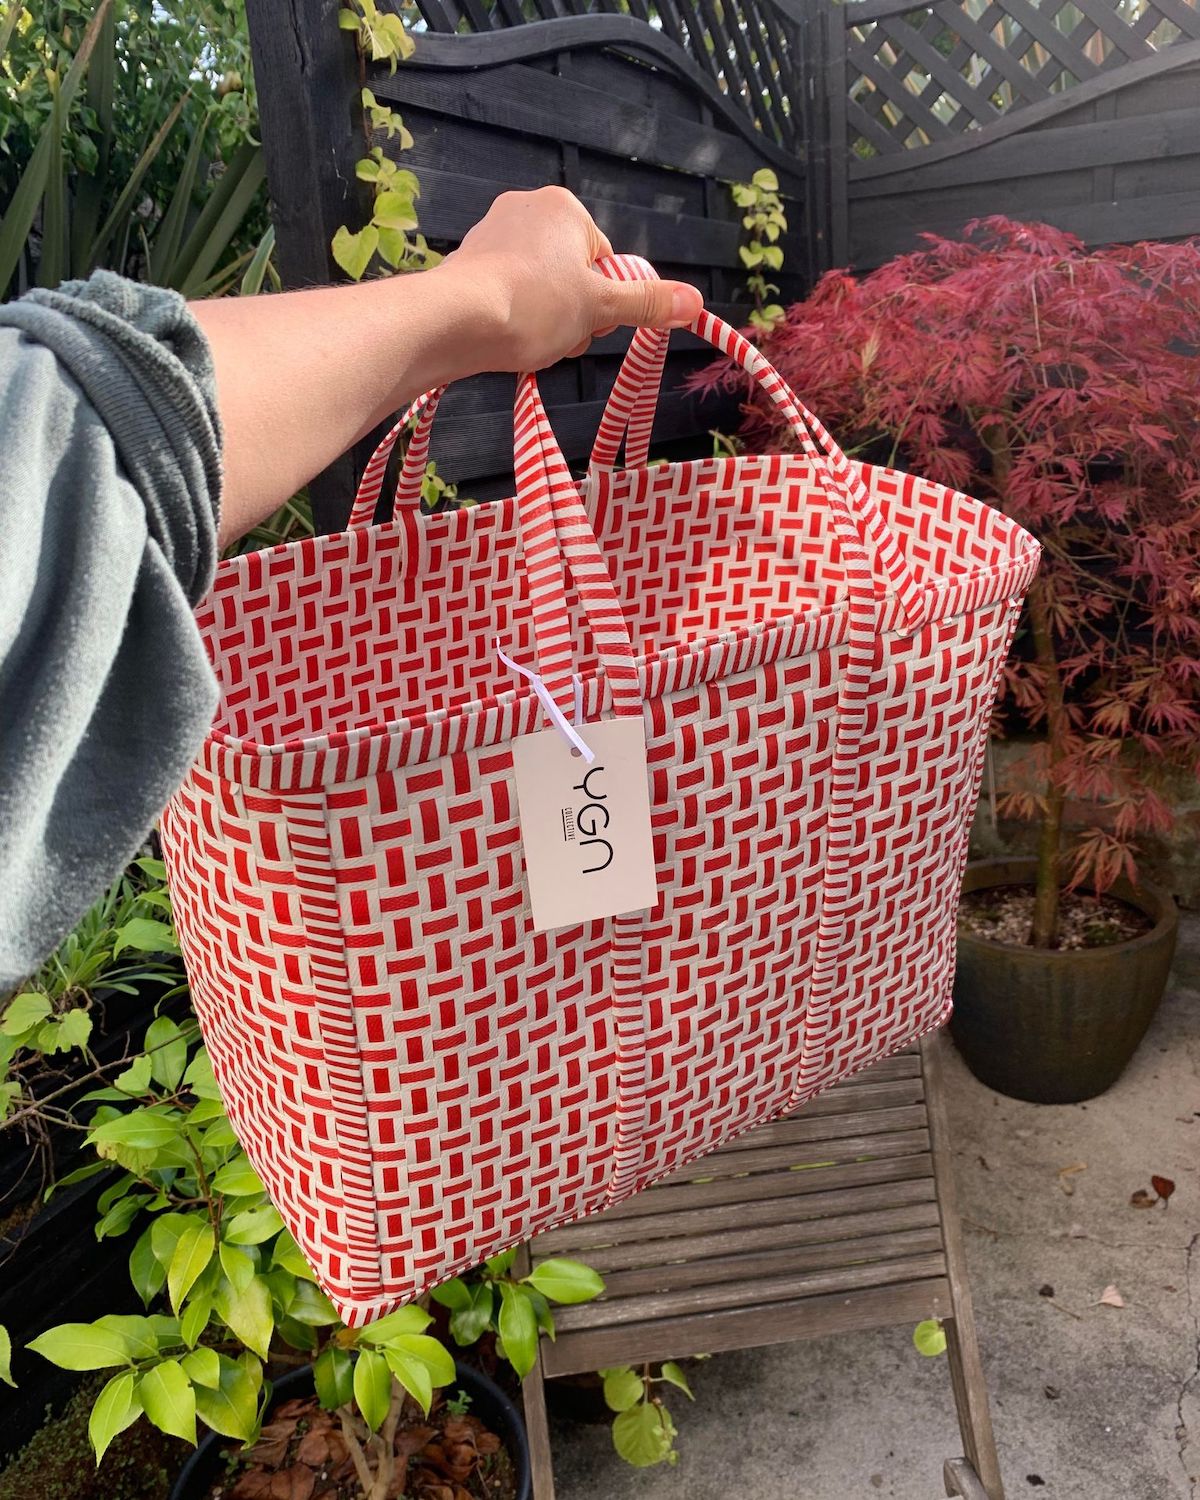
pixel 122 145
pixel 764 220
pixel 229 1298
pixel 391 232
pixel 381 33
pixel 643 1430
pixel 491 1299
pixel 123 944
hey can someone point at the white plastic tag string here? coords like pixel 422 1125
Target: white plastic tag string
pixel 556 715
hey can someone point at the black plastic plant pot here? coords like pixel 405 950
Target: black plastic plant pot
pixel 206 1467
pixel 1050 1026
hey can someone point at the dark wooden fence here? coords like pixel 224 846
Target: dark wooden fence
pixel 882 119
pixel 605 105
pixel 1082 113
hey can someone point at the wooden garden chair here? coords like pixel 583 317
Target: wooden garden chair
pixel 743 1249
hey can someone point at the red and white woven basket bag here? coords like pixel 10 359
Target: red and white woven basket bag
pixel 813 646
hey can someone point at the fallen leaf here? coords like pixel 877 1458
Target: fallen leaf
pixel 1142 1199
pixel 294 1483
pixel 1110 1297
pixel 316 1448
pixel 254 1484
pixel 1065 1175
pixel 271 1448
pixel 410 1440
pixel 1163 1186
pixel 1034 1479
pixel 1046 1291
pixel 1052 1392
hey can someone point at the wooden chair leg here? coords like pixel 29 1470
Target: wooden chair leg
pixel 962 1480
pixel 537 1427
pixel 962 1345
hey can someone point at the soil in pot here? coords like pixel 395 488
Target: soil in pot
pixel 1004 914
pixel 58 1462
pixel 302 1455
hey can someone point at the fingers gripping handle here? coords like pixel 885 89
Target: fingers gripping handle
pixel 653 349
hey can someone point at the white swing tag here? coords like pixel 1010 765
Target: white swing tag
pixel 589 851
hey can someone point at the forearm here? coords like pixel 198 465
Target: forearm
pixel 301 376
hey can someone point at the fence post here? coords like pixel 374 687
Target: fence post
pixel 811 79
pixel 836 84
pixel 306 74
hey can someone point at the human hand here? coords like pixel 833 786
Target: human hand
pixel 528 264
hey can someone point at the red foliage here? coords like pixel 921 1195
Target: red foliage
pixel 1063 385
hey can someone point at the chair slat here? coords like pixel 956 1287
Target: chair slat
pixel 758 1189
pixel 862 1092
pixel 802 1156
pixel 726 1245
pixel 780 1265
pixel 905 1303
pixel 590 1233
pixel 609 1312
pixel 800 1129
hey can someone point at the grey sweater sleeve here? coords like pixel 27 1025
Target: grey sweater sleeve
pixel 109 493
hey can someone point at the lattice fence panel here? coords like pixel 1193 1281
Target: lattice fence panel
pixel 749 48
pixel 928 74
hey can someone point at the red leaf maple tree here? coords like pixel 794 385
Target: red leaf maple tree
pixel 1063 385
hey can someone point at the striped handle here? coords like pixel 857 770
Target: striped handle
pixel 613 426
pixel 630 410
pixel 362 513
pixel 629 414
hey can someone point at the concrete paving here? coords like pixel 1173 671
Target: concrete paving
pixel 865 1416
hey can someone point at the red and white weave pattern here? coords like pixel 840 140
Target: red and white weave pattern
pixel 813 646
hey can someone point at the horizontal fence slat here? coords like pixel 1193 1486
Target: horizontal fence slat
pixel 481 445
pixel 451 203
pixel 523 99
pixel 1054 149
pixel 1166 216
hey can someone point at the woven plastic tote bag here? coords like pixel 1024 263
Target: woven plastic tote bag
pixel 813 646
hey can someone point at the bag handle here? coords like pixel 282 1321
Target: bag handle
pixel 629 414
pixel 629 411
pixel 555 530
pixel 366 497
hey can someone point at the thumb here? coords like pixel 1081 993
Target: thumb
pixel 650 304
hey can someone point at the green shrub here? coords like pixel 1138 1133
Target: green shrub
pixel 127 140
